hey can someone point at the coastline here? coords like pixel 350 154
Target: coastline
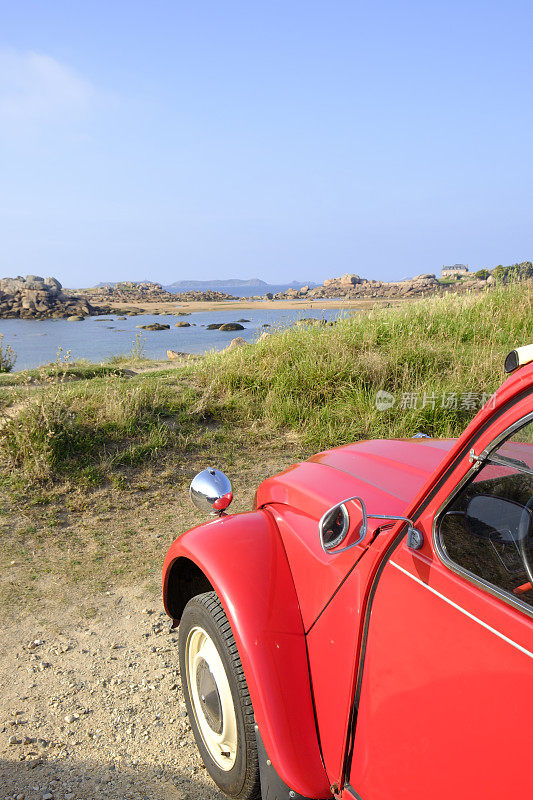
pixel 180 328
pixel 169 307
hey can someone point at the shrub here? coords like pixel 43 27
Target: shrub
pixel 482 274
pixel 8 356
pixel 514 272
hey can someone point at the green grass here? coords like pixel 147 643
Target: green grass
pixel 53 372
pixel 88 428
pixel 322 382
pixel 315 383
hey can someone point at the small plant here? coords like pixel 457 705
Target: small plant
pixel 56 371
pixel 62 363
pixel 8 356
pixel 138 346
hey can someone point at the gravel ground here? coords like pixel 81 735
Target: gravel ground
pixel 93 708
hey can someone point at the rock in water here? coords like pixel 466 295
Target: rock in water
pixel 231 326
pixel 182 324
pixel 311 321
pixel 154 326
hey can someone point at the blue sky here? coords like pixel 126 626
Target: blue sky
pixel 281 140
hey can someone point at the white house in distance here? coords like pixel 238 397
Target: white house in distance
pixel 455 271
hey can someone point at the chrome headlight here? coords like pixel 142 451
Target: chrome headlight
pixel 210 491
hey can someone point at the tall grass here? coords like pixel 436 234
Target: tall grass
pixel 86 430
pixel 317 381
pixel 323 381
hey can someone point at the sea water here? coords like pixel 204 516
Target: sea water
pixel 37 342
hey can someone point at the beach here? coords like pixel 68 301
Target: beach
pixel 267 305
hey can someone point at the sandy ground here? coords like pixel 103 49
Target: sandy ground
pixel 265 305
pixel 94 709
pixel 91 704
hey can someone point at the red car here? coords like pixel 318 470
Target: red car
pixel 366 631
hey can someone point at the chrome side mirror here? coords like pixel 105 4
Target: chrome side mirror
pixel 335 524
pixel 210 491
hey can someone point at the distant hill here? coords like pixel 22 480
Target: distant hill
pixel 252 283
pixel 236 286
pixel 230 283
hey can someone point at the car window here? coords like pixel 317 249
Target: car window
pixel 487 529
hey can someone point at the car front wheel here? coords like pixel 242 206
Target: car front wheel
pixel 218 703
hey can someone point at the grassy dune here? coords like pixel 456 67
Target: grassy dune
pixel 314 386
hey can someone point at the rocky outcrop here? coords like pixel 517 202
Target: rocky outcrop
pixel 353 287
pixel 34 297
pixel 129 292
pixel 346 280
pixel 154 326
pixel 149 292
pixel 197 296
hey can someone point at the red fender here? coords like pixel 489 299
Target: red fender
pixel 243 558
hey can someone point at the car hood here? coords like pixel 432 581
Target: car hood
pixel 386 473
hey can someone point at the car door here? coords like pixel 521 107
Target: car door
pixel 444 698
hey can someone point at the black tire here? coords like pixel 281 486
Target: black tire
pixel 241 781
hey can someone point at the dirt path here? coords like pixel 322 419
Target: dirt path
pixel 94 708
pixel 90 692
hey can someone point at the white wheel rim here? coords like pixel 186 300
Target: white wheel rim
pixel 214 714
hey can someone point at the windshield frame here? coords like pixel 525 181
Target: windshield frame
pixel 478 464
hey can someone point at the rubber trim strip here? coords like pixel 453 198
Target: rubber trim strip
pixel 348 787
